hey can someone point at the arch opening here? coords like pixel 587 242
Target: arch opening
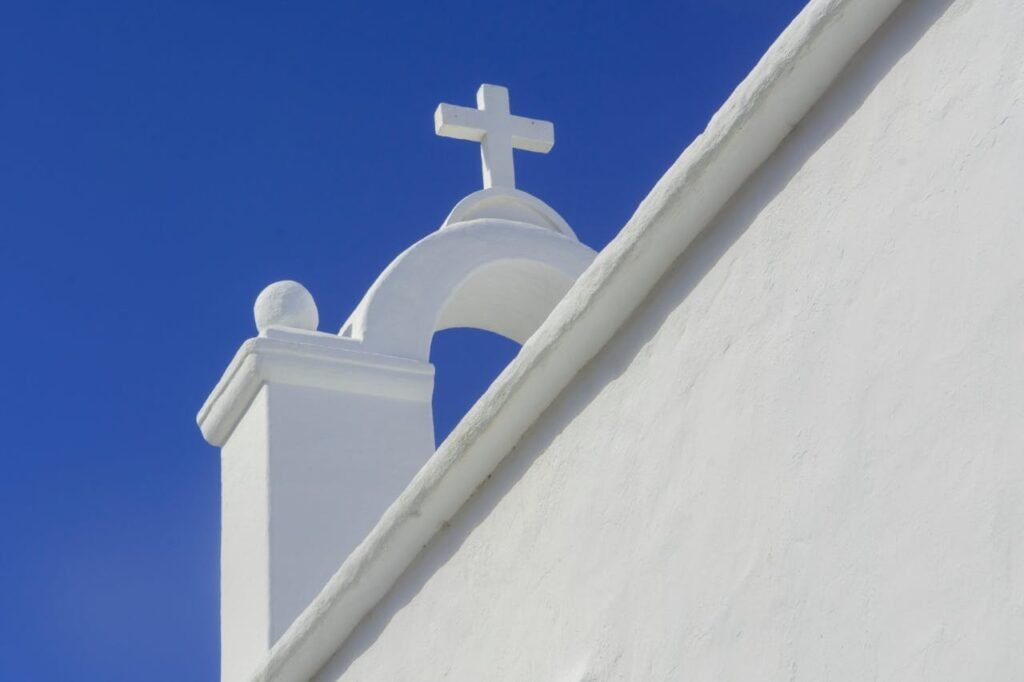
pixel 466 361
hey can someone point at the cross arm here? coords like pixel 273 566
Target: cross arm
pixel 461 123
pixel 532 135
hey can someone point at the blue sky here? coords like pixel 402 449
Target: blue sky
pixel 160 163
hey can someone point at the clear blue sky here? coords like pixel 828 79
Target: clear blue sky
pixel 161 162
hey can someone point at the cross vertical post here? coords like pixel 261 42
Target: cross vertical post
pixel 496 146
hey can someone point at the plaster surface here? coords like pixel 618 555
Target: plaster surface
pixel 800 458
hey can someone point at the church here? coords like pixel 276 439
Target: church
pixel 773 431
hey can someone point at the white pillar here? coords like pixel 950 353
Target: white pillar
pixel 317 439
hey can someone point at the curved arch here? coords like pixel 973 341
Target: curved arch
pixel 493 274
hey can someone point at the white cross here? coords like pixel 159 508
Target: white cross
pixel 497 130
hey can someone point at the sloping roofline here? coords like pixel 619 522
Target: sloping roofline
pixel 753 122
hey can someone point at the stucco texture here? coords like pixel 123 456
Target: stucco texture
pixel 801 459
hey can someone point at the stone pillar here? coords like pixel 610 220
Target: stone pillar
pixel 317 438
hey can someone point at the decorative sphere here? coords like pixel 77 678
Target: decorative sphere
pixel 285 304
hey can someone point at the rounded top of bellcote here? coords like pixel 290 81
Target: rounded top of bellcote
pixel 508 204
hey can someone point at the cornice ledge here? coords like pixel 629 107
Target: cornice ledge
pixel 306 358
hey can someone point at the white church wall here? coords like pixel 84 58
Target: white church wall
pixel 801 458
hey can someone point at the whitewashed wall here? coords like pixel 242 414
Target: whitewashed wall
pixel 803 459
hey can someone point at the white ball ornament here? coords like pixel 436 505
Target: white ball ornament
pixel 286 304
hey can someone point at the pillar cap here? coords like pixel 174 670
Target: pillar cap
pixel 299 357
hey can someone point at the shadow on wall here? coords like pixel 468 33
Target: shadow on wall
pixel 897 36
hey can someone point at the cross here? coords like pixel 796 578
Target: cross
pixel 498 132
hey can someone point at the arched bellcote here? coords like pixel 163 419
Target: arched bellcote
pixel 487 273
pixel 320 432
pixel 500 261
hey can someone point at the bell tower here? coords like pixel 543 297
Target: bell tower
pixel 320 432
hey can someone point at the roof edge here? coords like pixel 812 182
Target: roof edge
pixel 760 113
